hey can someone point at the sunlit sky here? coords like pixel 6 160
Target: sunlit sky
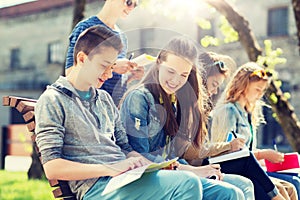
pixel 8 3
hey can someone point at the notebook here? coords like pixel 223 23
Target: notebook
pixel 132 175
pixel 230 156
pixel 144 59
pixel 291 161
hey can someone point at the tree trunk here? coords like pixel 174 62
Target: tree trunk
pixel 296 8
pixel 36 170
pixel 78 12
pixel 285 112
pixel 78 15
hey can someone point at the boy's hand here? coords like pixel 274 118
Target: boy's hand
pixel 136 154
pixel 126 165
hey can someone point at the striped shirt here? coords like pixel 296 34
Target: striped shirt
pixel 114 86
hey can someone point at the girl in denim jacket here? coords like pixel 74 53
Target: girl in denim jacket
pixel 241 113
pixel 164 116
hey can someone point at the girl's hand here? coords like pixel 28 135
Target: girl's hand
pixel 172 166
pixel 271 155
pixel 205 171
pixel 136 74
pixel 237 144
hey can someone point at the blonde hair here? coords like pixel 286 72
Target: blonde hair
pixel 237 86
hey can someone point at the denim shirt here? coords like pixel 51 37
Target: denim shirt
pixel 231 117
pixel 144 129
pixel 143 120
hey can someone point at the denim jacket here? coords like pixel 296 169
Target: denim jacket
pixel 144 120
pixel 231 117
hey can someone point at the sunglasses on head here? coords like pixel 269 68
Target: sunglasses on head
pixel 261 73
pixel 221 65
pixel 131 3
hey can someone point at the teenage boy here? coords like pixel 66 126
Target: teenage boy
pixel 80 136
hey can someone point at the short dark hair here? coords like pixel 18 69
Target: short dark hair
pixel 94 38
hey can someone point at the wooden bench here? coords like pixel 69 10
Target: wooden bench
pixel 25 107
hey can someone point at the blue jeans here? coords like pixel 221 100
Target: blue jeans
pixel 220 190
pixel 242 183
pixel 295 180
pixel 162 184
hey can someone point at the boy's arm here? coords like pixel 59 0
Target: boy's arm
pixel 69 170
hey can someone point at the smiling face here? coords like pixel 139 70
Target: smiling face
pixel 214 82
pixel 255 90
pixel 98 68
pixel 173 73
pixel 126 6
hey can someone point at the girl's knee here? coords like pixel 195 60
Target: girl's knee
pixel 234 193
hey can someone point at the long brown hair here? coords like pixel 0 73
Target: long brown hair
pixel 190 119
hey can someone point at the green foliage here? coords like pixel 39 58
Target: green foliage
pixel 273 98
pixel 271 58
pixel 274 115
pixel 204 24
pixel 229 33
pixel 287 95
pixel 16 186
pixel 23 139
pixel 209 40
pixel 278 83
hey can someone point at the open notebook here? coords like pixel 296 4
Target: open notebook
pixel 132 175
pixel 229 156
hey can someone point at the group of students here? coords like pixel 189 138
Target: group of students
pixel 81 131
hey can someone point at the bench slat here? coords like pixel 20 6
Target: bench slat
pixel 62 191
pixel 26 107
pixel 31 126
pixel 28 116
pixel 5 101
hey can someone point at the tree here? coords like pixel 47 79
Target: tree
pixel 296 8
pixel 78 15
pixel 36 170
pixel 283 109
pixel 78 12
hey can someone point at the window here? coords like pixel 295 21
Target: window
pixel 55 52
pixel 15 61
pixel 278 22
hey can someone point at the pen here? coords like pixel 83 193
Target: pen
pixel 234 134
pixel 131 56
pixel 274 145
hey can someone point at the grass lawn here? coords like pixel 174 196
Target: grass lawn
pixel 16 186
